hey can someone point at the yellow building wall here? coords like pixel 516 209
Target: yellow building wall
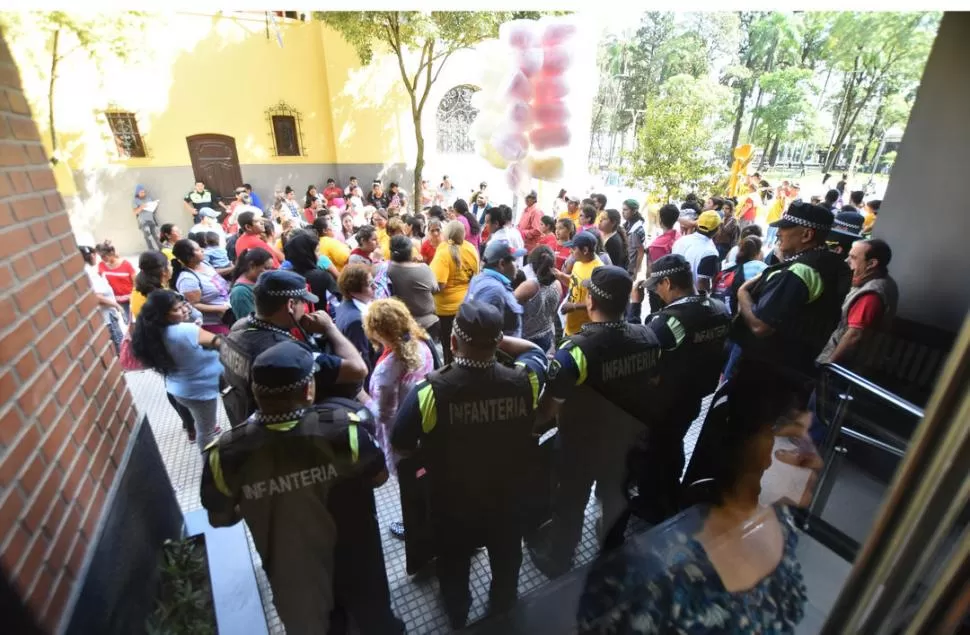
pixel 197 73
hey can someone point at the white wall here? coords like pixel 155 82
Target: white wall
pixel 925 217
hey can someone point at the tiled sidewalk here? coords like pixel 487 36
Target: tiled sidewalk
pixel 415 599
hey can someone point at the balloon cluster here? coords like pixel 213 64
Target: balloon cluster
pixel 523 119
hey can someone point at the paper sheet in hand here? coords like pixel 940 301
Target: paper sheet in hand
pixel 151 206
pixel 783 481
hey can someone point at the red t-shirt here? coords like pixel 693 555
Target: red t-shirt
pixel 331 193
pixel 248 241
pixel 119 278
pixel 549 240
pixel 865 311
pixel 562 255
pixel 662 245
pixel 427 251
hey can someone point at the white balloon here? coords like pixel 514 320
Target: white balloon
pixel 520 33
pixel 529 60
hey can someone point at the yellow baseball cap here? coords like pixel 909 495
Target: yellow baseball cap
pixel 709 221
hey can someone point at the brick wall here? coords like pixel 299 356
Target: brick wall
pixel 65 412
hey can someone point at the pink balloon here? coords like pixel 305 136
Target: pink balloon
pixel 558 32
pixel 529 61
pixel 556 59
pixel 515 176
pixel 518 87
pixel 520 114
pixel 550 87
pixel 511 146
pixel 551 137
pixel 548 114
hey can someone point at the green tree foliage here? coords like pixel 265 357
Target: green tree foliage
pixel 877 54
pixel 674 143
pixel 422 42
pixel 786 110
pixel 95 35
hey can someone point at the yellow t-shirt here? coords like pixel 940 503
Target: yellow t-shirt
pixel 385 242
pixel 577 293
pixel 776 210
pixel 573 217
pixel 136 302
pixel 452 279
pixel 336 251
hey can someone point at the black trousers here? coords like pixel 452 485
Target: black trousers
pixel 188 424
pixel 457 543
pixel 446 322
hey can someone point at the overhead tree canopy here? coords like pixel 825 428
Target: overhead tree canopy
pixel 422 42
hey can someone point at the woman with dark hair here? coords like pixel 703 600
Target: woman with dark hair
pixel 728 564
pixel 414 229
pixel 109 308
pixel 204 289
pixel 540 297
pixel 155 273
pixel 587 218
pixel 565 230
pixel 185 354
pixel 559 203
pixel 119 273
pixel 249 265
pixel 430 244
pixel 414 283
pixel 311 196
pixel 168 235
pixel 301 253
pixel 367 244
pixel 473 230
pixel 614 236
pixel 729 232
pixel 347 230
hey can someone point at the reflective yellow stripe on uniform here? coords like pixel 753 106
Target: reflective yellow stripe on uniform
pixel 677 330
pixel 215 465
pixel 811 278
pixel 577 354
pixel 283 426
pixel 429 412
pixel 354 442
pixel 808 275
pixel 534 381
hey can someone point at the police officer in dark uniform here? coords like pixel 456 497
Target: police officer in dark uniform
pixel 692 330
pixel 601 374
pixel 786 315
pixel 474 421
pixel 281 298
pixel 276 472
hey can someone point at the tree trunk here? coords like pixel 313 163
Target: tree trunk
pixel 419 159
pixel 50 96
pixel 738 120
pixel 773 155
pixel 876 120
pixel 764 154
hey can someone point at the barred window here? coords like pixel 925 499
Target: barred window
pixel 454 119
pixel 286 130
pixel 124 129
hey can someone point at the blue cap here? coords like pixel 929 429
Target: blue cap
pixel 582 239
pixel 497 250
pixel 283 367
pixel 478 324
pixel 283 284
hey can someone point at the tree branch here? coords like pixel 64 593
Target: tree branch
pixel 443 58
pixel 428 79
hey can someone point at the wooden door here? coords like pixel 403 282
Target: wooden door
pixel 215 163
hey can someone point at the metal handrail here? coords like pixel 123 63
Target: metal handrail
pixel 874 389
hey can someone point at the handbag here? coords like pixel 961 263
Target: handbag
pixel 127 356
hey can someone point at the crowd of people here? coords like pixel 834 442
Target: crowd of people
pixel 348 335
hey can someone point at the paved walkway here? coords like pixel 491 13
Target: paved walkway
pixel 416 599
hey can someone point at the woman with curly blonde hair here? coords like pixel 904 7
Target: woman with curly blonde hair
pixel 407 357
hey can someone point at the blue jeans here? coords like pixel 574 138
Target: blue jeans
pixel 543 341
pixel 733 356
